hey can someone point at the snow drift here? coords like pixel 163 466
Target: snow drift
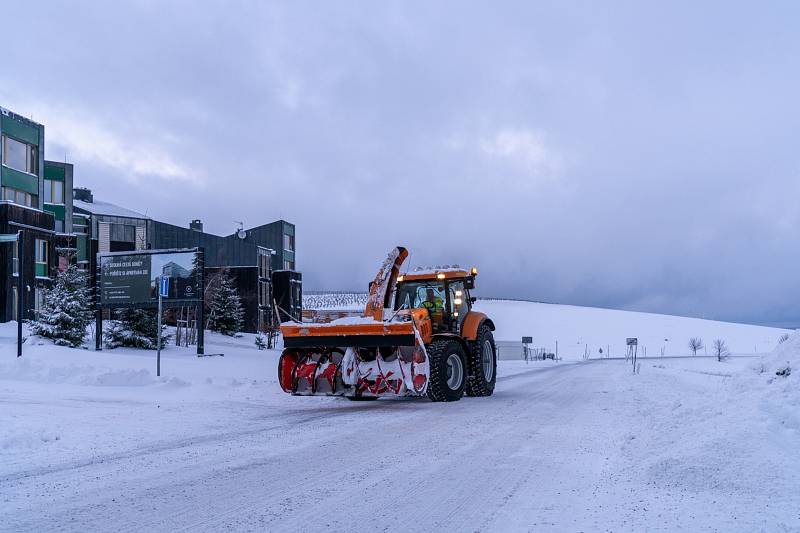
pixel 774 383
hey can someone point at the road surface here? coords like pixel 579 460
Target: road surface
pixel 562 447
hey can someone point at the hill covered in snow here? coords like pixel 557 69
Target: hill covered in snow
pixel 579 330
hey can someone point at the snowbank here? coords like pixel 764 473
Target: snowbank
pixel 784 361
pixel 773 383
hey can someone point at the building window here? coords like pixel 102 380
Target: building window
pixel 79 225
pixel 59 226
pixel 19 197
pixel 123 233
pixel 263 294
pixel 14 303
pixel 41 252
pixel 15 259
pixel 288 265
pixel 288 242
pixel 20 156
pixel 54 191
pixel 263 265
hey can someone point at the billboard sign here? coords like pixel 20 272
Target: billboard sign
pixel 131 278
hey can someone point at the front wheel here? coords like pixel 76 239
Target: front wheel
pixel 483 363
pixel 448 370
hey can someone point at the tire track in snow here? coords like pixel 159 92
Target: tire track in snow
pixel 231 486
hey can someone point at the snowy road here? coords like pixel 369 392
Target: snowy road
pixel 569 447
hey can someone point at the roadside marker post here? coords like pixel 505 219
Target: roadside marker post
pixel 16 238
pixel 163 290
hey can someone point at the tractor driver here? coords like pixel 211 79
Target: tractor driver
pixel 432 303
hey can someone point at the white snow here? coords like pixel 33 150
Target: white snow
pixel 99 207
pixel 578 328
pixel 340 301
pixel 95 441
pixel 350 321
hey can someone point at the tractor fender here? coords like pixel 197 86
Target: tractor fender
pixel 452 337
pixel 473 322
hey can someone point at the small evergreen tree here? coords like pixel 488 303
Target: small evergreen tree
pixel 261 341
pixel 226 307
pixel 66 309
pixel 137 328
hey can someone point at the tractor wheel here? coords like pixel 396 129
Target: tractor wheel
pixel 483 363
pixel 448 367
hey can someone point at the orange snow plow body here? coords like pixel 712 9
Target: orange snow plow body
pixel 387 351
pixel 359 332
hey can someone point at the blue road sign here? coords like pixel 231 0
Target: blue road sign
pixel 164 287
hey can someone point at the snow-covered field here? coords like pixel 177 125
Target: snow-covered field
pixel 94 441
pixel 577 330
pixel 581 329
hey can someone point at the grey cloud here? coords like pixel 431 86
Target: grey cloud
pixel 622 155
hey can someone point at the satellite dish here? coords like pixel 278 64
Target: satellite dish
pixel 241 233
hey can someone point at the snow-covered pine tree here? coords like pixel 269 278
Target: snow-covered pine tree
pixel 261 341
pixel 136 328
pixel 66 309
pixel 226 312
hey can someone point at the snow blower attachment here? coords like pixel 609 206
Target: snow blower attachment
pixel 418 335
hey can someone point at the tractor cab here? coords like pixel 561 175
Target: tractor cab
pixel 443 292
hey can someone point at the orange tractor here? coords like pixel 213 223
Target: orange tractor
pixel 417 336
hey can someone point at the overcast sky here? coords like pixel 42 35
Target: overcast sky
pixel 621 154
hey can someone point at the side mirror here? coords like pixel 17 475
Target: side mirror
pixel 472 299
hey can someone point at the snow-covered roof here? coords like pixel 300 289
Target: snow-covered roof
pixel 98 207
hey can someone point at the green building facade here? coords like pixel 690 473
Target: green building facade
pixel 22 155
pixel 22 210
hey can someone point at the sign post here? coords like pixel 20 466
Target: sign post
pixel 16 238
pixel 633 350
pixel 526 347
pixel 20 290
pixel 163 290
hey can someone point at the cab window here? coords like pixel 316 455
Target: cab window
pixel 423 294
pixel 459 301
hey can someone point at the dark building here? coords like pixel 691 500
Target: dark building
pixel 287 287
pixel 115 228
pixel 277 236
pixel 235 250
pixel 39 259
pixel 23 205
pixel 249 254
